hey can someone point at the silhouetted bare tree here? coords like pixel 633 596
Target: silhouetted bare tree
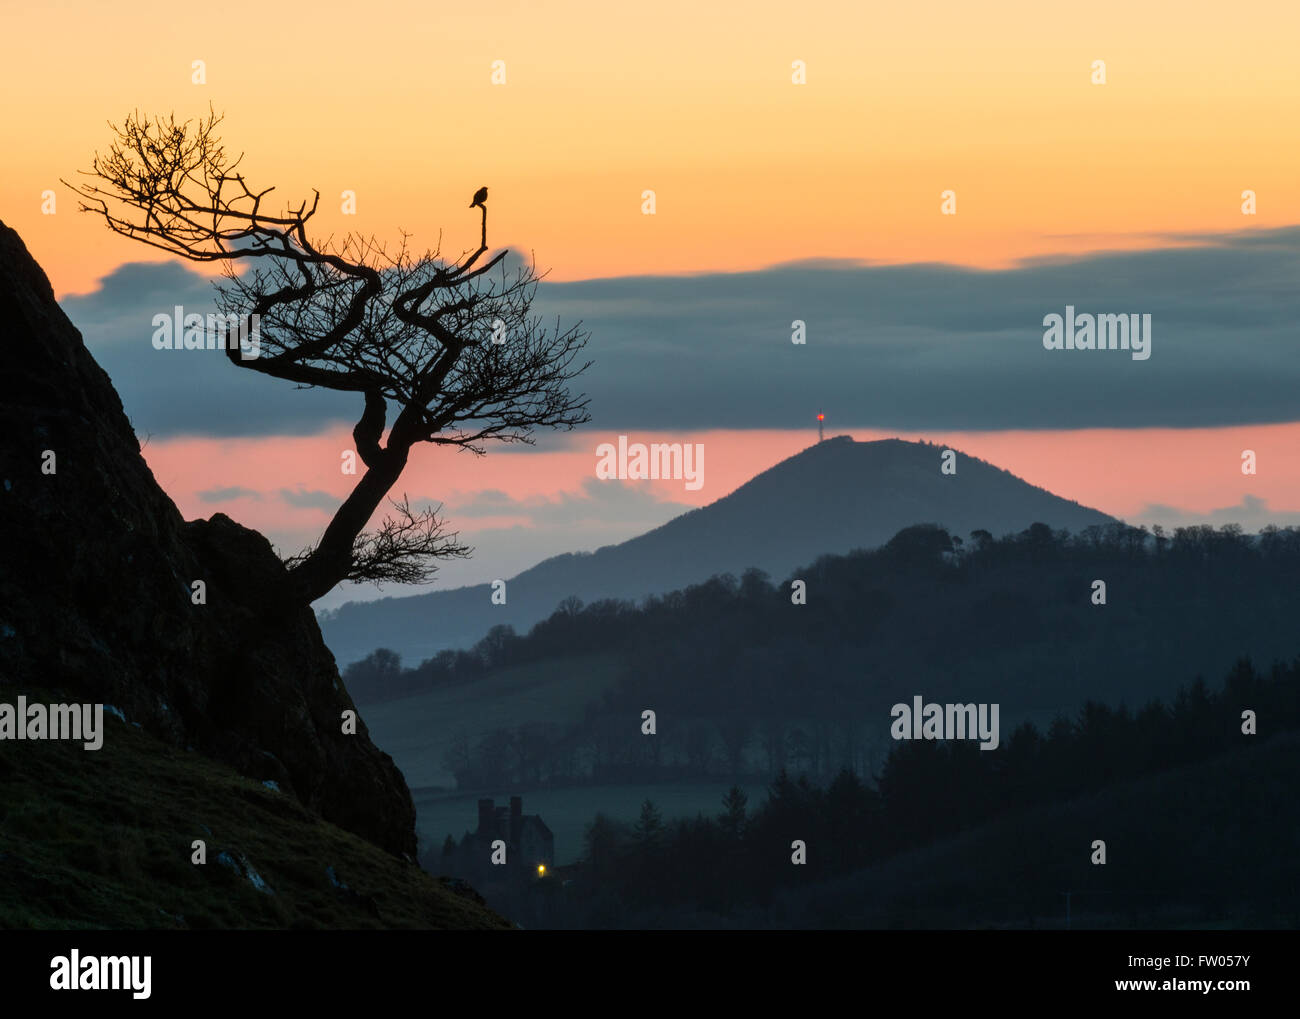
pixel 452 344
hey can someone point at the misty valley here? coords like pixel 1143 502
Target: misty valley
pixel 772 724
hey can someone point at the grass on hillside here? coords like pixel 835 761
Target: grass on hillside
pixel 102 839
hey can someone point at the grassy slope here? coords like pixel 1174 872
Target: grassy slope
pixel 418 730
pixel 101 839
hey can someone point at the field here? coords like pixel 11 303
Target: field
pixel 567 812
pixel 417 731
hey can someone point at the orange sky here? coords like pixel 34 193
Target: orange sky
pixel 1121 472
pixel 1115 470
pixel 602 101
pixel 695 101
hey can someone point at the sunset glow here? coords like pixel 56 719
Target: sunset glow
pixel 696 103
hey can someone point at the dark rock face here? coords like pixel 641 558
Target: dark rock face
pixel 96 568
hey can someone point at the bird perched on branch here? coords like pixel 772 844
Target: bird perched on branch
pixel 480 196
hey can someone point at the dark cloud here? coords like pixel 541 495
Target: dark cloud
pixel 604 501
pixel 491 502
pixel 186 392
pixel 912 347
pixel 1252 513
pixel 226 494
pixel 310 498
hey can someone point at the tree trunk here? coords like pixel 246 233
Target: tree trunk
pixel 331 560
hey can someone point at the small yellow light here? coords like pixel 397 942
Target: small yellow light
pixel 541 870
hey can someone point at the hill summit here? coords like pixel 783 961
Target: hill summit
pixel 835 496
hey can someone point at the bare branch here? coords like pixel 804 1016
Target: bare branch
pixel 454 345
pixel 405 549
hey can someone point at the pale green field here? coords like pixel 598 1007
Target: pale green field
pixel 417 731
pixel 567 812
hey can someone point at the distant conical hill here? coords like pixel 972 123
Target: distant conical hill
pixel 833 497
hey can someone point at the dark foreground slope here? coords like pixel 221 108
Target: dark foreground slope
pixel 96 574
pixel 1205 846
pixel 833 497
pixel 105 839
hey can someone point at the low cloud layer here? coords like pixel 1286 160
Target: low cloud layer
pixel 227 494
pixel 1252 514
pixel 310 499
pixel 910 347
pixel 600 502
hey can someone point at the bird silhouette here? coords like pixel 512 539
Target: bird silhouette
pixel 480 196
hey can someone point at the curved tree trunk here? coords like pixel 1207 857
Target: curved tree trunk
pixel 331 561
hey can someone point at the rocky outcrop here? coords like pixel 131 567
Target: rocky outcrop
pixel 96 575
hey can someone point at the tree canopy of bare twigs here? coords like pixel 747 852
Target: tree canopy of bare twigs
pixel 452 345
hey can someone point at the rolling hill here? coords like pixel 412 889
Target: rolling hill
pixel 833 497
